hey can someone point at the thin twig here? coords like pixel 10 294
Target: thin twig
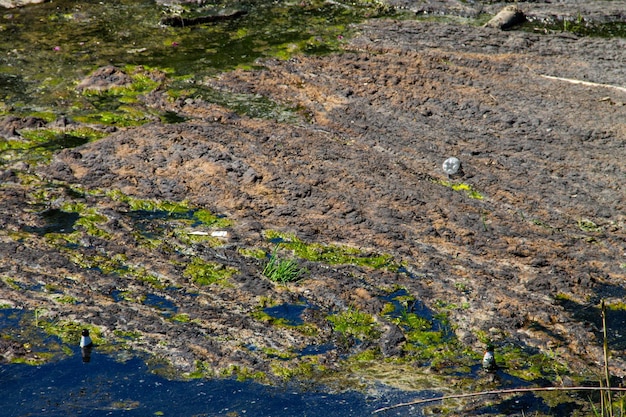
pixel 587 83
pixel 502 391
pixel 606 359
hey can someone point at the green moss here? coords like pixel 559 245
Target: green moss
pixel 36 146
pixel 12 283
pixel 367 355
pixel 616 306
pixel 587 225
pixel 132 335
pixel 531 366
pixel 243 373
pixel 331 254
pixel 126 116
pixel 207 273
pixel 141 83
pixel 468 189
pixel 181 318
pixel 387 309
pixel 203 370
pixel 210 219
pixel 66 299
pixel 252 252
pixel 266 318
pixel 69 331
pixel 355 323
pixel 303 367
pixel 142 275
pixel 90 220
pixel 275 353
pixel 174 209
pixel 40 359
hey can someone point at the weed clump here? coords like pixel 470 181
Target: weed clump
pixel 282 270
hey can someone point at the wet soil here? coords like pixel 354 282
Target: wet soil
pixel 540 238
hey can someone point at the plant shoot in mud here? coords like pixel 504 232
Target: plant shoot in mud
pixel 282 270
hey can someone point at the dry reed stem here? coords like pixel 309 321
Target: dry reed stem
pixel 502 391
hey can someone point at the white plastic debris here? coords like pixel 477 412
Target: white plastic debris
pixel 451 165
pixel 219 233
pixel 198 233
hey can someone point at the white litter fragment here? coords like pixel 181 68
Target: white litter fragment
pixel 219 233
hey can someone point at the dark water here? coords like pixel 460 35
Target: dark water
pixel 106 387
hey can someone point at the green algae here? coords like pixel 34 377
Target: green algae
pixel 66 299
pixel 331 254
pixel 127 334
pixel 252 253
pixel 174 210
pixel 251 105
pixel 531 366
pixel 587 225
pixel 300 367
pixel 36 146
pixel 578 26
pixel 242 373
pixel 353 322
pixel 469 190
pixel 55 45
pixel 206 273
pixel 181 318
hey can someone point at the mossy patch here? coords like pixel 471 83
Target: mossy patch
pixel 302 367
pixel 206 273
pixel 331 254
pixel 531 366
pixel 36 146
pixel 468 189
pixel 251 105
pixel 352 322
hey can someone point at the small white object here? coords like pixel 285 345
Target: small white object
pixel 198 233
pixel 219 233
pixel 451 165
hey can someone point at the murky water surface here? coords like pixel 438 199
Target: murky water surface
pixel 48 48
pixel 106 387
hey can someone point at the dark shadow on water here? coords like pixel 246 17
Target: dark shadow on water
pixel 591 315
pixel 57 221
pixel 106 387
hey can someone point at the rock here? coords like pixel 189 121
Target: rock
pixel 507 18
pixel 105 78
pixel 179 20
pixel 10 125
pixel 451 166
pixel 391 341
pixel 10 4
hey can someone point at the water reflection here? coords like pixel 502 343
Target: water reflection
pixel 112 388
